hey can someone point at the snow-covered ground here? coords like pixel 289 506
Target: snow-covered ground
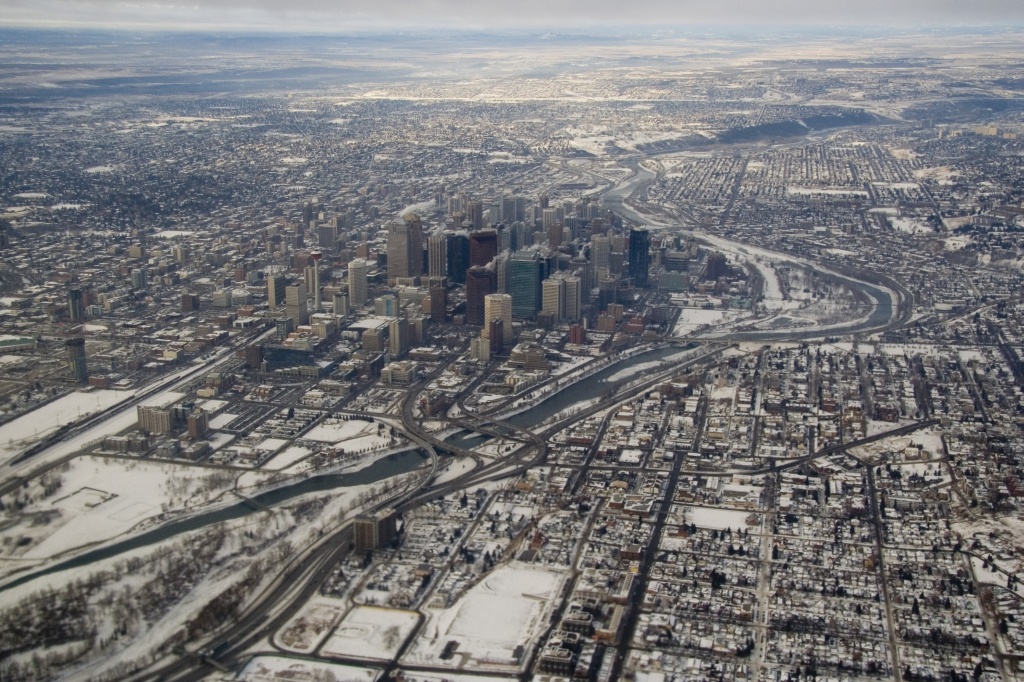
pixel 101 498
pixel 522 594
pixel 716 518
pixel 278 668
pixel 693 319
pixel 911 226
pixel 307 629
pixel 371 633
pixel 20 434
pixel 284 460
pixel 338 431
pixel 455 468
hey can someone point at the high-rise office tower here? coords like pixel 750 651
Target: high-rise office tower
pixel 600 252
pixel 501 263
pixel 275 289
pixel 386 305
pixel 295 299
pixel 438 303
pixel 358 287
pixel 475 214
pixel 552 227
pixel 458 258
pixel 398 251
pixel 327 236
pixel 341 304
pixel 479 283
pixel 525 275
pixel 140 278
pixel 76 305
pixel 398 337
pixel 498 307
pixel 573 298
pixel 437 251
pixel 553 297
pixel 76 359
pixel 415 226
pixel 316 256
pixel 639 257
pixel 508 209
pixel 483 247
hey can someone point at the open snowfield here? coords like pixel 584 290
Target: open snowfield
pixel 454 468
pixel 275 668
pixel 283 460
pixel 20 434
pixel 417 676
pixel 522 594
pixel 714 518
pixel 692 319
pixel 307 629
pixel 101 498
pixel 371 633
pixel 338 431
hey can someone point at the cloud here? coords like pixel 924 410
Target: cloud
pixel 344 15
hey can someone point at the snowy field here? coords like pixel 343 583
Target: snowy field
pixel 307 629
pixel 101 498
pixel 284 460
pixel 455 468
pixel 714 518
pixel 417 676
pixel 18 435
pixel 692 319
pixel 522 594
pixel 371 633
pixel 275 668
pixel 335 431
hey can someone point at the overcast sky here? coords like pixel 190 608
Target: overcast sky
pixel 347 15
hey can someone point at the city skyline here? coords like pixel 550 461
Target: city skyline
pixel 318 16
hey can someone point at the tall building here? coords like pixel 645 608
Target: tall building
pixel 275 289
pixel 189 302
pixel 198 424
pixel 374 530
pixel 358 287
pixel 76 359
pixel 437 252
pixel 479 283
pixel 458 258
pixel 498 307
pixel 405 248
pixel 415 226
pixel 600 252
pixel 639 257
pixel 552 227
pixel 438 303
pixel 573 298
pixel 526 271
pixel 76 305
pixel 398 250
pixel 327 236
pixel 341 304
pixel 501 262
pixel 483 247
pixel 553 297
pixel 140 278
pixel 296 302
pixel 513 208
pixel 315 257
pixel 398 337
pixel 475 214
pixel 386 305
pixel 154 420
